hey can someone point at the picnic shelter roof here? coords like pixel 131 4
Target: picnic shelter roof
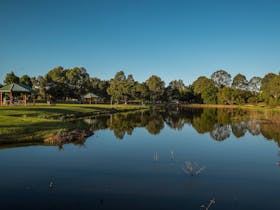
pixel 17 88
pixel 90 95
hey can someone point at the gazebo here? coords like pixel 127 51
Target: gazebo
pixel 15 88
pixel 89 96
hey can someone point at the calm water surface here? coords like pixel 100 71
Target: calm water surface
pixel 135 161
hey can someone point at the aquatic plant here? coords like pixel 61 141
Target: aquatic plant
pixel 192 169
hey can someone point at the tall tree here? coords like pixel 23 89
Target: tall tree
pixel 129 88
pixel 78 81
pixel 11 78
pixel 175 90
pixel 39 84
pixel 141 91
pixel 209 95
pixel 156 87
pixel 55 83
pixel 99 87
pixel 274 91
pixel 255 84
pixel 205 88
pixel 225 95
pixel 240 82
pixel 25 79
pixel 265 86
pixel 221 78
pixel 116 88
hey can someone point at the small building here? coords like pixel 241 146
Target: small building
pixel 90 98
pixel 15 88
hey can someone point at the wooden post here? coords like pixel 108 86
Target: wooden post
pixel 1 99
pixel 11 98
pixel 24 100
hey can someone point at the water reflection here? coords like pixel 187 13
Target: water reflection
pixel 219 123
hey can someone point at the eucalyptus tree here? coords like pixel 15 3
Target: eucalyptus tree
pixel 11 78
pixel 188 94
pixel 265 86
pixel 116 87
pixel 55 83
pixel 141 91
pixel 128 89
pixel 156 87
pixel 240 82
pixel 25 79
pixel 254 86
pixel 205 88
pixel 225 95
pixel 274 91
pixel 77 81
pixel 240 91
pixel 175 90
pixel 221 78
pixel 99 87
pixel 39 84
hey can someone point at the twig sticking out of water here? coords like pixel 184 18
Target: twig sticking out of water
pixel 51 184
pixel 192 169
pixel 211 202
pixel 278 162
pixel 156 157
pixel 172 155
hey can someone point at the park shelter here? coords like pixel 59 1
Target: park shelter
pixel 90 97
pixel 15 88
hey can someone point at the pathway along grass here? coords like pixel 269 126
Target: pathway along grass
pixel 36 124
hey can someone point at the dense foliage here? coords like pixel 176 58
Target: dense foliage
pixel 219 88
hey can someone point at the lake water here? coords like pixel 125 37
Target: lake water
pixel 136 161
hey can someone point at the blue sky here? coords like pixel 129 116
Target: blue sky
pixel 172 39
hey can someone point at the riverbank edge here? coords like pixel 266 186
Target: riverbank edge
pixel 76 112
pixel 244 106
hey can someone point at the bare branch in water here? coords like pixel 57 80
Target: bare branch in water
pixel 156 157
pixel 172 155
pixel 211 202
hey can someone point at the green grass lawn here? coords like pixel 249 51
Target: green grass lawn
pixel 19 124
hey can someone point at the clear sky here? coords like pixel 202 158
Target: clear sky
pixel 169 38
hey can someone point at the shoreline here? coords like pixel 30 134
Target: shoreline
pixel 39 123
pixel 260 107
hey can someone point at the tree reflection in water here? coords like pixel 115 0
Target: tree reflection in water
pixel 219 123
pixel 220 132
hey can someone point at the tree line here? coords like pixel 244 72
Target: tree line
pixel 219 88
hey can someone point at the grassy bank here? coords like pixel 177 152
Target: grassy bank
pixel 257 107
pixel 38 123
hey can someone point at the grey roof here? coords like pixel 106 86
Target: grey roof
pixel 90 95
pixel 17 88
